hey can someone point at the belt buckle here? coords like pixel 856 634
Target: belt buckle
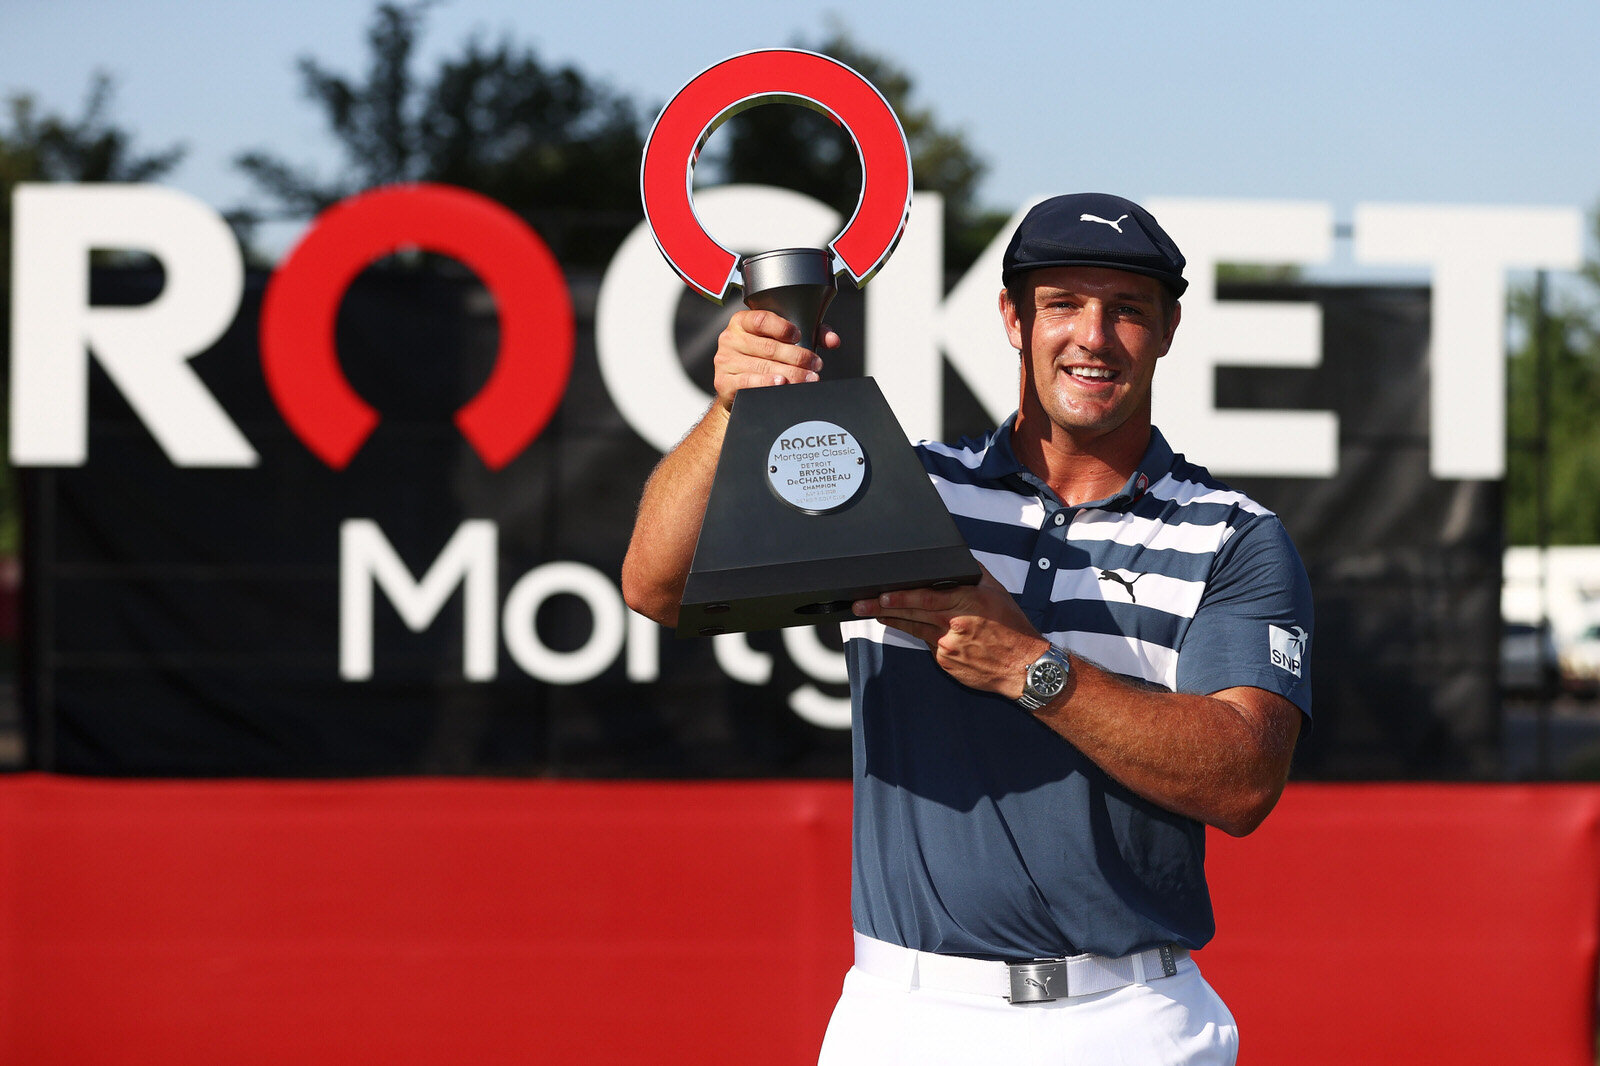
pixel 1037 982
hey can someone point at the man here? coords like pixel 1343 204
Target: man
pixel 1036 757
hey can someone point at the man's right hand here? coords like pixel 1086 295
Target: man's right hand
pixel 757 349
pixel 760 348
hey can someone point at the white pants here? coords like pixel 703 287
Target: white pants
pixel 1165 1022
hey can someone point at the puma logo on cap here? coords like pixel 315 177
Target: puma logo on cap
pixel 1117 225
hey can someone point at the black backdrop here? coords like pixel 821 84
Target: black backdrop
pixel 185 621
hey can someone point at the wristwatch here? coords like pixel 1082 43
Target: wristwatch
pixel 1045 678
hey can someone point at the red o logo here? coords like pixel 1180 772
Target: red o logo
pixel 712 97
pixel 301 306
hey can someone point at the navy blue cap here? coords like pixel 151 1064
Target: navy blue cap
pixel 1094 229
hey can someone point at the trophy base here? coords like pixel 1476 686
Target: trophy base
pixel 790 542
pixel 810 593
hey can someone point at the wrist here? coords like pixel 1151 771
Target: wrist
pixel 1044 679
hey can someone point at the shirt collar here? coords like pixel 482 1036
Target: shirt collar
pixel 1000 463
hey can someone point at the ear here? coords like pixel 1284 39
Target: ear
pixel 1012 317
pixel 1172 327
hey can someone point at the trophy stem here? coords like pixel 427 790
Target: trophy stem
pixel 797 283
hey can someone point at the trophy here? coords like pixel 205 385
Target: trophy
pixel 818 499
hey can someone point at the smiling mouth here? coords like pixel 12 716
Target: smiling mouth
pixel 1096 375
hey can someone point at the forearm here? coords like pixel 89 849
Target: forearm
pixel 1221 759
pixel 668 523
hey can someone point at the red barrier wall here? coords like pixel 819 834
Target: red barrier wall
pixel 425 921
pixel 1412 924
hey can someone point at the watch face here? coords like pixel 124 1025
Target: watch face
pixel 1048 677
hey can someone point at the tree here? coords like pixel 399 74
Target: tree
pixel 1554 452
pixel 545 142
pixel 52 148
pixel 804 150
pixel 565 152
pixel 36 147
pixel 90 148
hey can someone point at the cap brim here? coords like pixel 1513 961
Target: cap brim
pixel 1175 283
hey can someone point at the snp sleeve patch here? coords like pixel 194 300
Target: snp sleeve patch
pixel 1288 648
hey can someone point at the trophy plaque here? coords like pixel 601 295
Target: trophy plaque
pixel 818 499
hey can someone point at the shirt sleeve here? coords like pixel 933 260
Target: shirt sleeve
pixel 1254 623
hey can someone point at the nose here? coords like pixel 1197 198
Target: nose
pixel 1090 326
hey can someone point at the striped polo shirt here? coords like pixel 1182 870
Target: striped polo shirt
pixel 979 831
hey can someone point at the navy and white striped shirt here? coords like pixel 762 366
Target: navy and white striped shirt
pixel 979 831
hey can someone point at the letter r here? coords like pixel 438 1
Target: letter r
pixel 145 349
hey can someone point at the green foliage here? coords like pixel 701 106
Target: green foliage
pixel 543 141
pixel 804 150
pixel 565 152
pixel 1570 442
pixel 1259 273
pixel 89 148
pixel 375 122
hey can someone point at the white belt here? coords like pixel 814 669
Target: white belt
pixel 1019 982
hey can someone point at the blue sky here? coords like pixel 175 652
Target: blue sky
pixel 1429 102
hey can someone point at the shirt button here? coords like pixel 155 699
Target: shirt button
pixel 1044 564
pixel 1061 518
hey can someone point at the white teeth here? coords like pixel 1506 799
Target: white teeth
pixel 1096 372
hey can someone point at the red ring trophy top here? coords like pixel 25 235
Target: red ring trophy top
pixel 817 500
pixel 749 80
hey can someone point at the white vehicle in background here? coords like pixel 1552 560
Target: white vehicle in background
pixel 1580 660
pixel 1561 584
pixel 1528 659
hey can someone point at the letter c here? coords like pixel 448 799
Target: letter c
pixel 744 81
pixel 301 306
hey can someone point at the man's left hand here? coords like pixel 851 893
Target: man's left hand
pixel 977 633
